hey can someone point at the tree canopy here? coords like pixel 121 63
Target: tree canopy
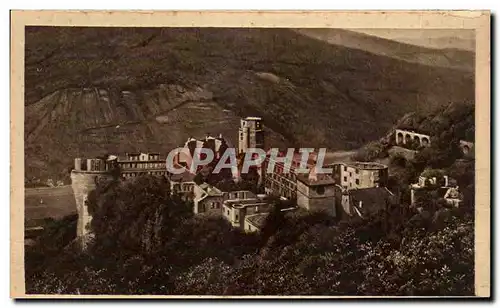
pixel 146 242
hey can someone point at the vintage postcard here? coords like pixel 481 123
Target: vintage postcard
pixel 263 154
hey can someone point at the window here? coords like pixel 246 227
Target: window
pixel 345 179
pixel 357 181
pixel 227 212
pixel 357 171
pixel 236 217
pixel 350 174
pixel 320 190
pixel 345 168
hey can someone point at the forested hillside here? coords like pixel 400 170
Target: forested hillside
pixel 147 242
pixel 95 90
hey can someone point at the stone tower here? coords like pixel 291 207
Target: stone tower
pixel 316 192
pixel 251 134
pixel 85 176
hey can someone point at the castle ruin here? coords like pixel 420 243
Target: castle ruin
pixel 85 177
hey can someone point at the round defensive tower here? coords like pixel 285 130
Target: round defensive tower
pixel 85 176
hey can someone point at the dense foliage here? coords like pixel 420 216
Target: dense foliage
pixel 147 242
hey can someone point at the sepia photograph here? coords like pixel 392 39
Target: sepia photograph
pixel 226 161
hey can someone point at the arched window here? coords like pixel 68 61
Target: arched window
pixel 408 138
pixel 416 139
pixel 399 138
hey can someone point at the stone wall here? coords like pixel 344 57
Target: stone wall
pixel 406 137
pixel 316 198
pixel 83 182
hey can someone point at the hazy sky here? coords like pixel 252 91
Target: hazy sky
pixel 435 38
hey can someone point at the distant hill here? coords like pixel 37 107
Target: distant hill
pixel 448 56
pixel 95 90
pixel 463 39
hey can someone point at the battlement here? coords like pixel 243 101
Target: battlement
pixel 94 164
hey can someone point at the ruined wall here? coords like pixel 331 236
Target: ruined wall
pixel 83 182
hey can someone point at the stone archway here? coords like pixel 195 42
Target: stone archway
pixel 425 141
pixel 407 139
pixel 416 139
pixel 399 138
pixel 466 149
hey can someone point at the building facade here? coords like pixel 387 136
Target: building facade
pixel 281 183
pixel 357 175
pixel 316 193
pixel 182 184
pixel 442 187
pixel 185 157
pixel 236 210
pixel 137 164
pixel 251 134
pixel 207 198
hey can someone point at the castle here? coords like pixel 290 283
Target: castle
pixel 88 173
pixel 85 177
pixel 310 191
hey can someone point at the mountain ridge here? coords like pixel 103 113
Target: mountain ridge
pixel 448 57
pixel 309 93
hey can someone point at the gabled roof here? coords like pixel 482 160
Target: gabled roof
pixel 210 190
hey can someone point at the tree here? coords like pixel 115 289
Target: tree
pixel 135 214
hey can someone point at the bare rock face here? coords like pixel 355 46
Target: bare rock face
pixel 89 122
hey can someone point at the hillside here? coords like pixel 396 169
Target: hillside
pixel 448 57
pixel 95 90
pixel 463 39
pixel 455 120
